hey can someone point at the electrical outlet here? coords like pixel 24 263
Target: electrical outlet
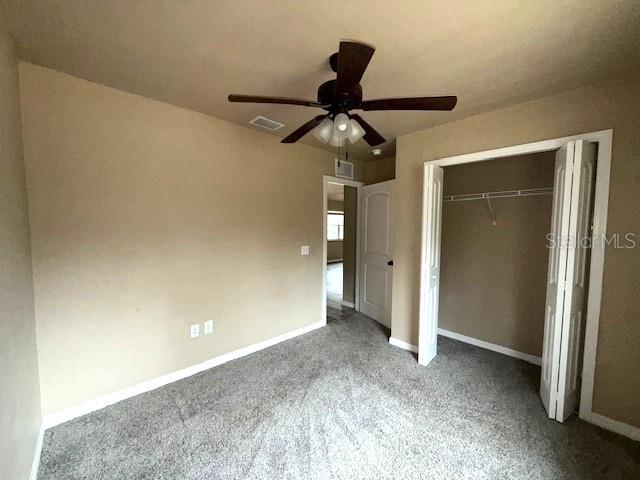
pixel 304 250
pixel 195 330
pixel 208 327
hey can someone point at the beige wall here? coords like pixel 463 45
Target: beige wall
pixel 335 205
pixel 380 170
pixel 19 390
pixel 612 104
pixel 349 247
pixel 147 218
pixel 334 250
pixel 493 278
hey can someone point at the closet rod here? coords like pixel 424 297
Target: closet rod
pixel 528 192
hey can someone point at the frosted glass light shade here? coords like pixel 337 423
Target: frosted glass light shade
pixel 337 142
pixel 324 131
pixel 341 126
pixel 356 132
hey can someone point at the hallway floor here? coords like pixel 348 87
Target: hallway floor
pixel 334 284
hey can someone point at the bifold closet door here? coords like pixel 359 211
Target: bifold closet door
pixel 574 312
pixel 430 263
pixel 566 280
pixel 555 278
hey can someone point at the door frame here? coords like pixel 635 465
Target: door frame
pixel 326 180
pixel 604 139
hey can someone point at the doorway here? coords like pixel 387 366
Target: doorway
pixel 339 244
pixel 574 284
pixel 340 239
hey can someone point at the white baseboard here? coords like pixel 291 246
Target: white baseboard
pixel 349 304
pixel 403 345
pixel 600 420
pixel 111 398
pixel 35 465
pixel 490 346
pixel 614 426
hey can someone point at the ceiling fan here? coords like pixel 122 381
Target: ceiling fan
pixel 338 97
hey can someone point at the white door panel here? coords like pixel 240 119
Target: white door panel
pixel 375 285
pixel 566 285
pixel 430 270
pixel 376 254
pixel 574 312
pixel 377 232
pixel 555 279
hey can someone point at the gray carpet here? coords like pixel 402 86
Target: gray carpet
pixel 340 402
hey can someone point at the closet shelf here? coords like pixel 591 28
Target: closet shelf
pixel 529 192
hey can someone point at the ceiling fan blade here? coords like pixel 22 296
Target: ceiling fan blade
pixel 300 132
pixel 415 103
pixel 372 137
pixel 278 100
pixel 353 59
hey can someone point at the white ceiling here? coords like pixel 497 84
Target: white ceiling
pixel 194 53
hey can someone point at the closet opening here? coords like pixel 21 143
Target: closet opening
pixel 493 274
pixel 512 257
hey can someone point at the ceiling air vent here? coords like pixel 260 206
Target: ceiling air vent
pixel 264 122
pixel 344 169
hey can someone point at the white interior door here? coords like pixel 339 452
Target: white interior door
pixel 430 263
pixel 555 278
pixel 574 312
pixel 376 251
pixel 566 280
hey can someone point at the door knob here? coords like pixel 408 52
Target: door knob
pixel 390 263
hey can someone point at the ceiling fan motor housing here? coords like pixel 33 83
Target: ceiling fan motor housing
pixel 327 95
pixel 333 62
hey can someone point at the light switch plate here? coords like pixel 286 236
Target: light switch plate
pixel 208 327
pixel 304 250
pixel 195 330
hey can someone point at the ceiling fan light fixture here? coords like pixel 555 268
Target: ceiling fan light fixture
pixel 337 142
pixel 341 126
pixel 324 131
pixel 356 132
